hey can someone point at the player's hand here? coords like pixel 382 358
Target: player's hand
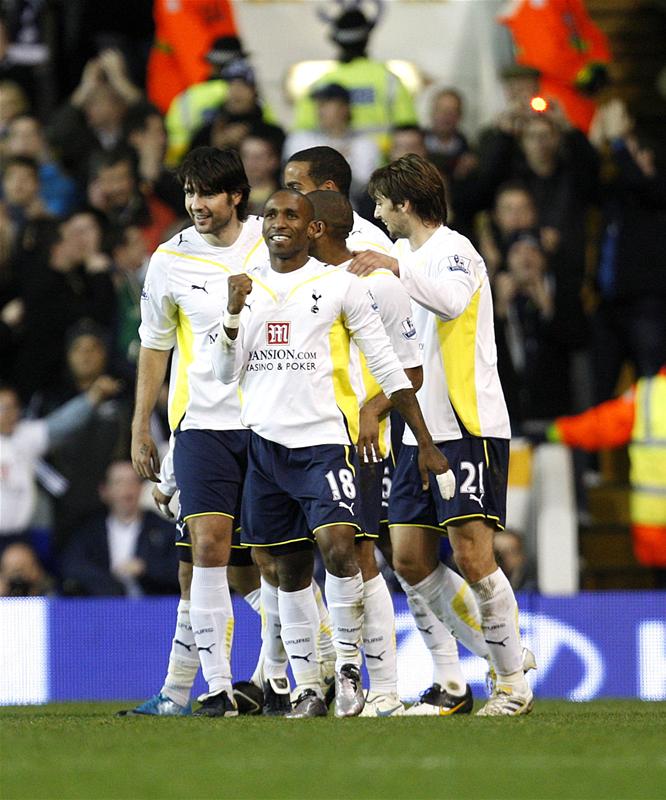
pixel 368 437
pixel 431 460
pixel 145 459
pixel 162 502
pixel 368 261
pixel 240 287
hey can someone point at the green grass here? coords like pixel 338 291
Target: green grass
pixel 605 750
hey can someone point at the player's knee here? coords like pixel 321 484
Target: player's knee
pixel 340 558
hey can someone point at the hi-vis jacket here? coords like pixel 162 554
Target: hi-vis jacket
pixel 292 354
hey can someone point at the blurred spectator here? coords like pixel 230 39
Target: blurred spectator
pixel 231 84
pixel 130 261
pixel 184 31
pixel 638 419
pixel 242 110
pixel 630 322
pixel 407 139
pixel 10 69
pixel 532 363
pixel 113 189
pixel 21 191
pixel 21 573
pixel 146 135
pixel 513 561
pixel 24 442
pixel 25 137
pixel 93 118
pixel 84 456
pixel 13 103
pixel 122 550
pixel 379 99
pixel 513 212
pixel 260 155
pixel 334 130
pixel 446 144
pixel 59 278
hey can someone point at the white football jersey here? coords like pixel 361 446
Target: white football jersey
pixel 292 354
pixel 365 235
pixel 453 313
pixel 184 295
pixel 395 312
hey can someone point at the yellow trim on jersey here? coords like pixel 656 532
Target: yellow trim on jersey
pixel 485 450
pixel 262 285
pixel 378 271
pixel 249 255
pixel 459 606
pixel 209 514
pixel 457 342
pixel 378 248
pixel 195 258
pixel 345 397
pixel 348 460
pixel 334 524
pixel 181 393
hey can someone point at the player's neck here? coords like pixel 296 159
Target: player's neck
pixel 420 233
pixel 333 254
pixel 290 264
pixel 226 236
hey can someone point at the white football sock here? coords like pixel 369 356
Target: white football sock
pixel 275 657
pixel 443 648
pixel 253 599
pixel 300 627
pixel 499 622
pixel 326 646
pixel 212 617
pixel 453 602
pixel 379 636
pixel 345 604
pixel 183 658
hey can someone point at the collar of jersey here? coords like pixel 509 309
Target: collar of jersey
pixel 295 288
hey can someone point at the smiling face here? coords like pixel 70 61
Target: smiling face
pixel 211 213
pixel 394 217
pixel 288 225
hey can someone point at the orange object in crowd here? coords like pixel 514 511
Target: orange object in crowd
pixel 558 38
pixel 184 33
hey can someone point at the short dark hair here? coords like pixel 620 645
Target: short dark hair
pixel 137 117
pixel 326 164
pixel 210 170
pixel 415 179
pixel 513 186
pixel 105 159
pixel 335 210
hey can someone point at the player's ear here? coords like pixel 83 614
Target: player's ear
pixel 316 229
pixel 236 197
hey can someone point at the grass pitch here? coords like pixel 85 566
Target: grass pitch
pixel 607 750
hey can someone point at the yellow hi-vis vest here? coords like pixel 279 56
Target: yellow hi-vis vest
pixel 647 452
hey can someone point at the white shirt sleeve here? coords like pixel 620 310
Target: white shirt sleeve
pixel 365 325
pixel 227 356
pixel 444 286
pixel 395 310
pixel 159 311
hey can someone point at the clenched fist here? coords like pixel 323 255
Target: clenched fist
pixel 240 287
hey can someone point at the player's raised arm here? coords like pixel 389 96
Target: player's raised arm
pixel 227 349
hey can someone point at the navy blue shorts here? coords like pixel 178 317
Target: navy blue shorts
pixel 481 467
pixel 210 470
pixel 375 485
pixel 291 492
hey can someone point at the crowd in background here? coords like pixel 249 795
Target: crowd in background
pixel 571 225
